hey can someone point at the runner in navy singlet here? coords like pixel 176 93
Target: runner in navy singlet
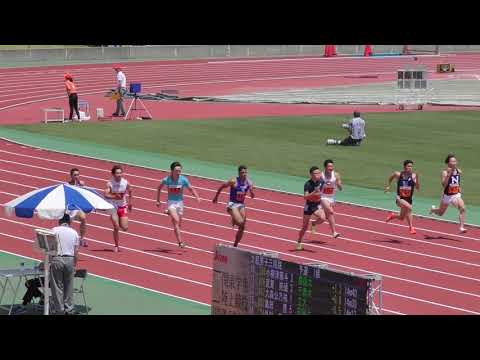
pixel 451 191
pixel 239 187
pixel 407 182
pixel 312 193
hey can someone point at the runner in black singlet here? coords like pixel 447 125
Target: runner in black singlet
pixel 312 195
pixel 452 193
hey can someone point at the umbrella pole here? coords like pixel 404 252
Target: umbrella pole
pixel 46 285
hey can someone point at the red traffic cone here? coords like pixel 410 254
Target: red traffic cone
pixel 368 50
pixel 330 51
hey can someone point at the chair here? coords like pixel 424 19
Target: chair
pixel 81 274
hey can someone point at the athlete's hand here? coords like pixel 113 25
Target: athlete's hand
pixel 159 203
pixel 198 200
pixel 129 207
pixel 387 189
pixel 215 200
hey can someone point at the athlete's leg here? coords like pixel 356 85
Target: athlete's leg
pixel 116 229
pixel 460 205
pixel 440 210
pixel 176 219
pixel 330 215
pixel 301 234
pixel 318 218
pixel 82 218
pixel 241 228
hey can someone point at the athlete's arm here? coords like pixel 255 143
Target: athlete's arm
pixel 194 193
pixel 395 175
pixel 417 182
pixel 311 196
pixel 339 181
pixel 159 190
pixel 108 193
pixel 314 194
pixel 129 190
pixel 252 194
pixel 82 183
pixel 445 176
pixel 229 183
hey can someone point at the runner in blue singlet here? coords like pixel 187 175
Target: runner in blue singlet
pixel 175 184
pixel 239 187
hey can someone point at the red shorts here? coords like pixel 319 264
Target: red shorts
pixel 122 211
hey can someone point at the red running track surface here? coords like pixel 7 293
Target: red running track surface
pixel 433 272
pixel 33 89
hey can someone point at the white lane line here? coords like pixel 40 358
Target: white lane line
pixel 270 250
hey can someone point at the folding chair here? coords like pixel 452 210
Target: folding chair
pixel 81 274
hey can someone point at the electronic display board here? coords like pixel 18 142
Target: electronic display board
pixel 246 282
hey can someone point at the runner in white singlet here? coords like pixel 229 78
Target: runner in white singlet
pixel 331 182
pixel 116 194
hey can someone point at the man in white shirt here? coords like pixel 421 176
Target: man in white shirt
pixel 121 89
pixel 356 129
pixel 62 268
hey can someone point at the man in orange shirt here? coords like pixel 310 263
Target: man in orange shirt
pixel 72 96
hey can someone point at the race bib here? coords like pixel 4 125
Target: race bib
pixel 328 190
pixel 405 192
pixel 240 196
pixel 175 190
pixel 454 189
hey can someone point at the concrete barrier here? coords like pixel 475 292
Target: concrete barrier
pixel 30 57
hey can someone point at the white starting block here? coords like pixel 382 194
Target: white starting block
pixel 58 115
pixel 84 110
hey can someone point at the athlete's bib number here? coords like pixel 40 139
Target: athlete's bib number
pixel 405 192
pixel 453 189
pixel 240 196
pixel 328 190
pixel 175 190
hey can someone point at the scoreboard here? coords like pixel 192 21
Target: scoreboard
pixel 246 282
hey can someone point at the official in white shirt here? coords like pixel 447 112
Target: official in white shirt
pixel 63 267
pixel 356 129
pixel 121 89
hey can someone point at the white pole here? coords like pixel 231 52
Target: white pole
pixel 46 287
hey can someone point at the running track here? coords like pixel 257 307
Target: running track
pixel 25 92
pixel 433 272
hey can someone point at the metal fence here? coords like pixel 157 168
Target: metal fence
pixel 165 52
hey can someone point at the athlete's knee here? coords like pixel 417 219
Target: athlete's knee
pixel 462 209
pixel 124 227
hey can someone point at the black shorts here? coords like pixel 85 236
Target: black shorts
pixel 351 142
pixel 409 200
pixel 310 208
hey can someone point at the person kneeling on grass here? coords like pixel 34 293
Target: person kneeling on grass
pixel 356 129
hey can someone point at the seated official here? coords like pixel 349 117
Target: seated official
pixel 356 130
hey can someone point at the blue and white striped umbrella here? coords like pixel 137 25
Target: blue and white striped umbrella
pixel 53 201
